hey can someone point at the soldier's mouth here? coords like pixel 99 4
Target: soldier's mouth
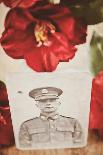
pixel 49 107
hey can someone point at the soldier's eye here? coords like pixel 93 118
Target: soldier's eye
pixel 52 100
pixel 43 101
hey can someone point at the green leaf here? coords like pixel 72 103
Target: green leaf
pixel 96 53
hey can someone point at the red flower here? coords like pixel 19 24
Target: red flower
pixel 3 94
pixel 43 35
pixel 6 130
pixel 96 115
pixel 19 3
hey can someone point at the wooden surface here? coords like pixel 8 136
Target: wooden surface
pixel 94 147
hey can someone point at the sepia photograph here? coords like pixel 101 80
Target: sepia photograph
pixel 55 109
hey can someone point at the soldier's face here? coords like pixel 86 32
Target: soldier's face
pixel 48 105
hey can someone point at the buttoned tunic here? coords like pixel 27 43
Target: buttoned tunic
pixel 45 131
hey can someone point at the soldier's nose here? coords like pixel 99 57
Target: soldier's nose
pixel 48 102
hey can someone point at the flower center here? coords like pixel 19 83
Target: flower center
pixel 42 31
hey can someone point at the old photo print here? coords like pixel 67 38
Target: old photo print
pixel 50 110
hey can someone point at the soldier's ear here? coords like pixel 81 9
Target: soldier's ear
pixel 59 103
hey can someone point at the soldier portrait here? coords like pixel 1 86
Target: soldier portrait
pixel 50 128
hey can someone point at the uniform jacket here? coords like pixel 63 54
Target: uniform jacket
pixel 45 131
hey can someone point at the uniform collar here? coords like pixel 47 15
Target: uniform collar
pixel 49 116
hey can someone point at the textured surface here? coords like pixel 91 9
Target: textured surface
pixel 94 147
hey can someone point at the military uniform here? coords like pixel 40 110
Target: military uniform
pixel 49 130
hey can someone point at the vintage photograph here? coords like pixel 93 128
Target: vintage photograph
pixel 47 117
pixel 50 126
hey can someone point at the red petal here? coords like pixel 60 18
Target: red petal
pixel 28 3
pixel 18 19
pixel 16 43
pixel 6 130
pixel 41 61
pixel 66 51
pixel 74 29
pixel 3 94
pixel 46 59
pixel 11 3
pixel 96 115
pixel 20 3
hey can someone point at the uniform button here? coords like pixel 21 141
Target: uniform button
pixel 52 126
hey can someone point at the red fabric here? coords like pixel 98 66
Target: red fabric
pixel 6 130
pixel 61 30
pixel 19 3
pixel 96 115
